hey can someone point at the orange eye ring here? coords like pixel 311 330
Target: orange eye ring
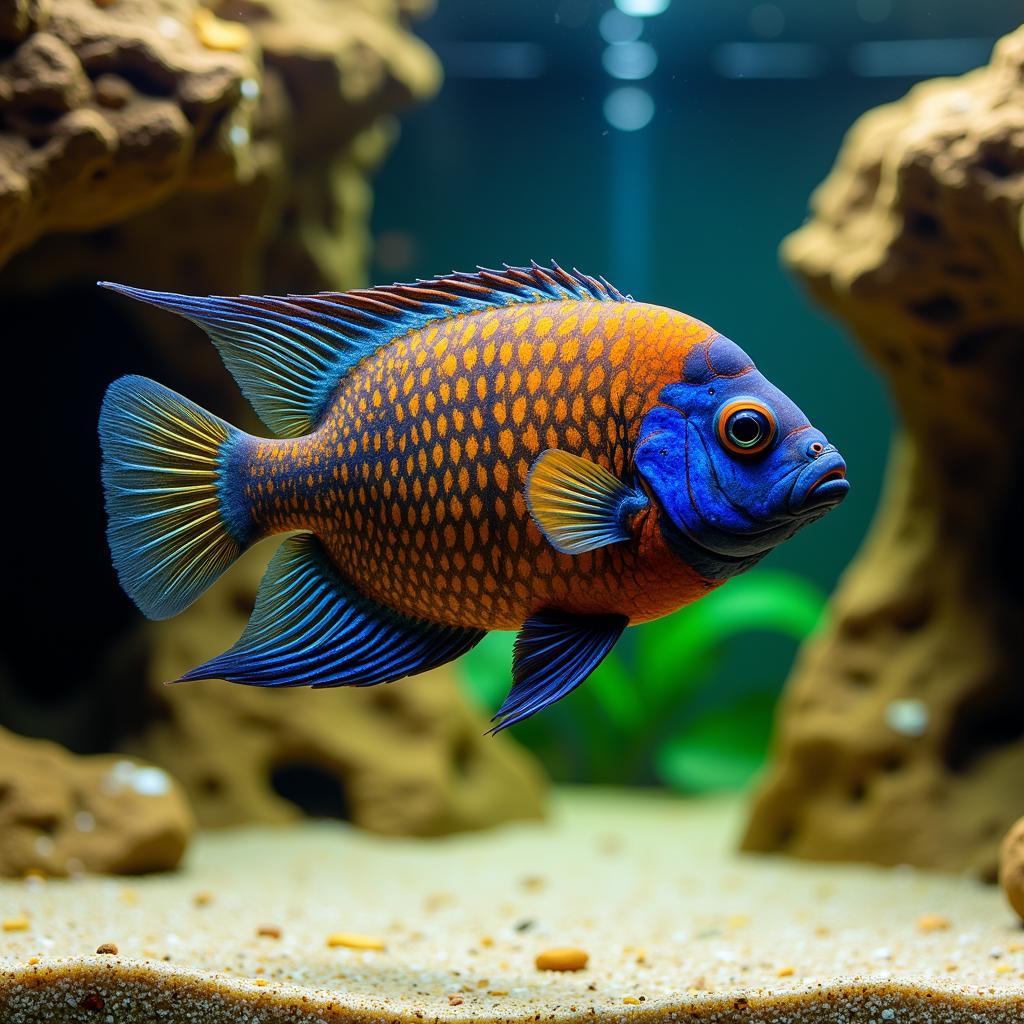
pixel 746 426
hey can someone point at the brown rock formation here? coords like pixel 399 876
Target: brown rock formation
pixel 901 736
pixel 205 147
pixel 1011 867
pixel 60 813
pixel 107 110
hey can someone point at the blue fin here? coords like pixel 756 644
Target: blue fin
pixel 312 628
pixel 554 652
pixel 579 505
pixel 175 521
pixel 289 353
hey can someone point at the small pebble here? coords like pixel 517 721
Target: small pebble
pixel 217 34
pixel 1011 867
pixel 15 924
pixel 107 947
pixel 454 1000
pixel 269 931
pixel 933 923
pixel 113 92
pixel 785 972
pixel 907 717
pixel 347 940
pixel 567 959
pixel 203 899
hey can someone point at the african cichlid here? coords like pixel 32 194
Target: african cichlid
pixel 522 449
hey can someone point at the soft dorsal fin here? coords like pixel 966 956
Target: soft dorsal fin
pixel 289 352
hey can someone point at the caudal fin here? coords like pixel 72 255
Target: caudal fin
pixel 176 519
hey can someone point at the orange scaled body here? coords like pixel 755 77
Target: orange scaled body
pixel 414 482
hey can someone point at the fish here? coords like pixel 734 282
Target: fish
pixel 521 449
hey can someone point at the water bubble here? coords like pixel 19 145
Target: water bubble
pixel 629 108
pixel 630 61
pixel 642 8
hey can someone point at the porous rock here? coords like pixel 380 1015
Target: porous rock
pixel 1011 867
pixel 77 155
pixel 408 758
pixel 223 147
pixel 61 813
pixel 901 732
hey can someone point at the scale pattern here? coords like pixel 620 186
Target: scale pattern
pixel 414 481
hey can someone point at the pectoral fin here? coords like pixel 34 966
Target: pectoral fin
pixel 579 505
pixel 554 652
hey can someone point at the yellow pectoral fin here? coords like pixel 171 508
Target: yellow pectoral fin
pixel 577 504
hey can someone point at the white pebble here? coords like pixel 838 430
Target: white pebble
pixel 169 28
pixel 250 88
pixel 239 136
pixel 44 846
pixel 84 821
pixel 151 782
pixel 907 717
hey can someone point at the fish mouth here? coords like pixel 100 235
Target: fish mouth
pixel 820 486
pixel 738 549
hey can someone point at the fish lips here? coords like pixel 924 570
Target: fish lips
pixel 819 486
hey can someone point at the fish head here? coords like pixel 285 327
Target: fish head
pixel 732 463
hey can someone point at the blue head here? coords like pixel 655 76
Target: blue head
pixel 734 466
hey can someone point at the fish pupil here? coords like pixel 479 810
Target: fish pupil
pixel 745 429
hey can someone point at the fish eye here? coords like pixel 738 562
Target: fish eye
pixel 746 426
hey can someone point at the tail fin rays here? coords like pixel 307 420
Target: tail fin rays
pixel 174 526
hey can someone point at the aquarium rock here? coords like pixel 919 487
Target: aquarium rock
pixel 110 110
pixel 914 243
pixel 1011 867
pixel 242 137
pixel 63 814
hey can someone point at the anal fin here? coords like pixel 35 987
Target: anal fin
pixel 310 627
pixel 554 652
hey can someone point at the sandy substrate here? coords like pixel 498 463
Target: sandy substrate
pixel 676 926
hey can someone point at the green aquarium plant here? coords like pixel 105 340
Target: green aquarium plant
pixel 650 713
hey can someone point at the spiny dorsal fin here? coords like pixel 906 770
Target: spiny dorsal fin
pixel 290 352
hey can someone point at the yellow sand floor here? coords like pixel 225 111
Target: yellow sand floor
pixel 260 927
